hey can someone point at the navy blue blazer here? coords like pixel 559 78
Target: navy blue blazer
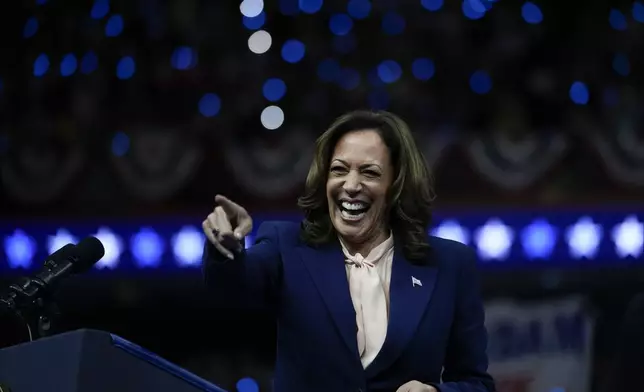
pixel 436 333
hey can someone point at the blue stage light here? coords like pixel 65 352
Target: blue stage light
pixel 147 248
pixel 120 144
pixel 113 244
pixel 389 71
pixel 584 238
pixel 432 5
pixel 531 13
pixel 359 9
pixel 125 68
pixel 247 384
pixel 423 69
pixel 209 105
pixel 41 65
pixel 480 82
pixel 452 230
pixel 31 28
pixel 494 240
pixel 638 12
pixel 274 89
pixel 187 246
pixel 539 239
pixel 628 237
pixel 183 58
pixel 68 65
pixel 340 24
pixel 255 22
pixel 310 6
pixel 507 239
pixel 617 20
pixel 579 93
pixel 114 26
pixel 19 249
pixel 100 9
pixel 471 12
pixel 293 51
pixel 478 6
pixel 60 239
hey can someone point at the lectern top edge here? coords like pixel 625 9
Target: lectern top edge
pixel 163 364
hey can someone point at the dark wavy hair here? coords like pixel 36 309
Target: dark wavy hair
pixel 410 196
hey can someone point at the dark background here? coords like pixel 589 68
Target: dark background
pixel 503 120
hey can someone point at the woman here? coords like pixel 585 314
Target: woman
pixel 365 300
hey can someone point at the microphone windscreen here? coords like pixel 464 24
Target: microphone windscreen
pixel 63 253
pixel 88 252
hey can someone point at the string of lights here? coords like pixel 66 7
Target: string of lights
pixel 514 240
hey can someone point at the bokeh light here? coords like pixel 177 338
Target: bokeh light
pixel 579 93
pixel 260 42
pixel 481 82
pixel 209 105
pixel 293 51
pixel 272 117
pixel 340 24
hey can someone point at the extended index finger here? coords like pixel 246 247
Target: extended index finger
pixel 228 205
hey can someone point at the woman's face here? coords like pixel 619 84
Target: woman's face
pixel 360 173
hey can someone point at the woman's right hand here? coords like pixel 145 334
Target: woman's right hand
pixel 227 226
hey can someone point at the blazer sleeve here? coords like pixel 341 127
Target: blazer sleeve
pixel 252 277
pixel 466 362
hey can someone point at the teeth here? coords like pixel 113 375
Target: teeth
pixel 352 217
pixel 353 206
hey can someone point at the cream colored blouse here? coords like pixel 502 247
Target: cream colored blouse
pixel 369 280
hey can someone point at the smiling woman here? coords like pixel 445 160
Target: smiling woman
pixel 373 155
pixel 364 299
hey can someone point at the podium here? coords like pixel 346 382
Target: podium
pixel 92 361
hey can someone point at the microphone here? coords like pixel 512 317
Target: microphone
pixel 68 260
pixel 28 302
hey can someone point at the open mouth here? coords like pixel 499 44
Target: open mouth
pixel 353 211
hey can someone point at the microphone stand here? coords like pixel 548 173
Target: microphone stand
pixel 35 308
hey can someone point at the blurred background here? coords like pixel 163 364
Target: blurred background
pixel 123 119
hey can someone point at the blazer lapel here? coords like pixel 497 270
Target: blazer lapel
pixel 410 291
pixel 328 271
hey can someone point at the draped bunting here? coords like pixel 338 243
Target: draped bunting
pixel 270 170
pixel 516 164
pixel 622 151
pixel 434 144
pixel 39 170
pixel 161 162
pixel 158 164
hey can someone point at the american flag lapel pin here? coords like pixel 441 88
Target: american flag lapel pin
pixel 416 282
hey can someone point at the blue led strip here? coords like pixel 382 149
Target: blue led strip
pixel 505 239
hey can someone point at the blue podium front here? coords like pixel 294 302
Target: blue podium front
pixel 92 361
